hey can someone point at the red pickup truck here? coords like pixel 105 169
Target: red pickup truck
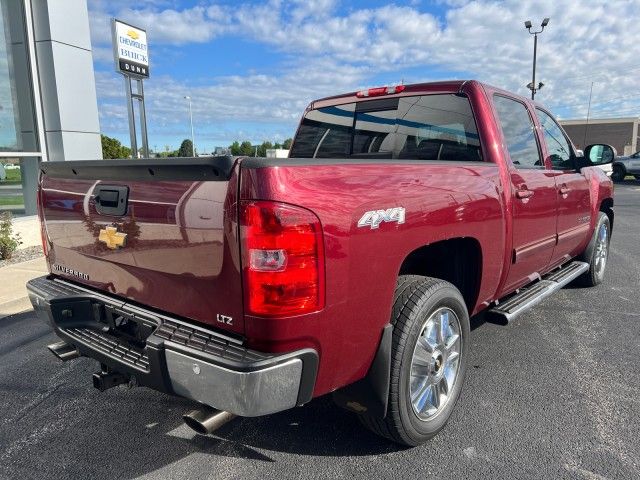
pixel 253 285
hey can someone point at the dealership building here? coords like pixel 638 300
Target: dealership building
pixel 621 133
pixel 48 103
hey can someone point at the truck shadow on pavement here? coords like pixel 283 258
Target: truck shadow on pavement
pixel 57 426
pixel 318 428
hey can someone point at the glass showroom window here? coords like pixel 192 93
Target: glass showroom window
pixel 17 125
pixel 19 141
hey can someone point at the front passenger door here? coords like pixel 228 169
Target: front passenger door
pixel 574 205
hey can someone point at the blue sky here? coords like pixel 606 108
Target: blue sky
pixel 252 67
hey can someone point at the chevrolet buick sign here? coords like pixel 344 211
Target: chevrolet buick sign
pixel 130 49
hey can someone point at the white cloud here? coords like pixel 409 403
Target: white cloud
pixel 164 25
pixel 328 49
pixel 276 102
pixel 482 39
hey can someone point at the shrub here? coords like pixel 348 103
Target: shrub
pixel 8 240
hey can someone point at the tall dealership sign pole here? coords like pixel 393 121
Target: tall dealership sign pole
pixel 131 55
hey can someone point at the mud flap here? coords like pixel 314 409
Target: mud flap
pixel 370 394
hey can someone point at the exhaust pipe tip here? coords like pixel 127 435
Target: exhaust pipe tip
pixel 193 423
pixel 207 420
pixel 63 351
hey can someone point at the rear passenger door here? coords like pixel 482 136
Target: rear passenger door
pixel 534 193
pixel 574 204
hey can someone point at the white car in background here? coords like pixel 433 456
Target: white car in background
pixel 606 165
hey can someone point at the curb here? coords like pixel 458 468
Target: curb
pixel 14 298
pixel 12 307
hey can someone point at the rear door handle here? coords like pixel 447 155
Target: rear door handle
pixel 522 194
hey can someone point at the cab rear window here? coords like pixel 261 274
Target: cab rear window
pixel 428 127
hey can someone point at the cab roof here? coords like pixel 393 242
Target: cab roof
pixel 445 86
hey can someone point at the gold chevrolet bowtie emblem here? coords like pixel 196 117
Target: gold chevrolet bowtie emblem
pixel 133 34
pixel 112 238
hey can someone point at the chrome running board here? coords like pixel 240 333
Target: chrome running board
pixel 534 293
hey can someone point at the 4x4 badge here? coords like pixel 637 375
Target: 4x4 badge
pixel 112 238
pixel 374 218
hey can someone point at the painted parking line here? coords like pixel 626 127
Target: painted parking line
pixel 183 431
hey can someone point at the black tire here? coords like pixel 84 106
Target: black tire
pixel 416 299
pixel 595 275
pixel 618 173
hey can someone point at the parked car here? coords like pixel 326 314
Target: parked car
pixel 253 285
pixel 623 166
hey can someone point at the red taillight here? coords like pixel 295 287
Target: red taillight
pixel 376 92
pixel 282 259
pixel 43 229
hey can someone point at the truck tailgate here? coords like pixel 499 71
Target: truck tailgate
pixel 173 244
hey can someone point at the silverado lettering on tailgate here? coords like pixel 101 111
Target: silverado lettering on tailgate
pixel 69 271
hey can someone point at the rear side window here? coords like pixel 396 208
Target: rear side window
pixel 519 132
pixel 325 133
pixel 428 127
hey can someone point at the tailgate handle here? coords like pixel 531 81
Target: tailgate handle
pixel 111 199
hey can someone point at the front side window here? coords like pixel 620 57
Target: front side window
pixel 519 133
pixel 428 127
pixel 558 146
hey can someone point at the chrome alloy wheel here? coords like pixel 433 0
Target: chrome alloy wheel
pixel 602 249
pixel 435 363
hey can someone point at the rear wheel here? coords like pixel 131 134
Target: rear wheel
pixel 428 360
pixel 597 253
pixel 618 173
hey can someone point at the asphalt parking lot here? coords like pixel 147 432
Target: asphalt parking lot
pixel 555 394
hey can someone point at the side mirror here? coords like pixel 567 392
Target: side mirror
pixel 599 154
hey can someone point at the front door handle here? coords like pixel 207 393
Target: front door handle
pixel 522 194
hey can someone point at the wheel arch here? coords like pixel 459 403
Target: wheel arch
pixel 606 206
pixel 619 164
pixel 456 260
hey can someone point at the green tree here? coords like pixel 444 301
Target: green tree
pixel 262 149
pixel 112 148
pixel 246 149
pixel 186 149
pixel 234 148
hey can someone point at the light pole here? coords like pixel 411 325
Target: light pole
pixel 532 86
pixel 586 127
pixel 193 138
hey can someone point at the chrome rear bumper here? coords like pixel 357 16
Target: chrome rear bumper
pixel 172 355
